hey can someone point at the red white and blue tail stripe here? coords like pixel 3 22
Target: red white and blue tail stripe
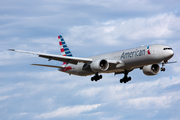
pixel 64 48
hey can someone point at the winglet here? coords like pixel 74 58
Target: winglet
pixel 11 49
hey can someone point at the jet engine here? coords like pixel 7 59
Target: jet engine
pixel 99 65
pixel 151 69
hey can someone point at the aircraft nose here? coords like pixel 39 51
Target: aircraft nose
pixel 169 54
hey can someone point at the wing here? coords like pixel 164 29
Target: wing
pixel 171 62
pixel 72 60
pixel 163 63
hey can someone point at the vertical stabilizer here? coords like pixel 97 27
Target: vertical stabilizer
pixel 64 48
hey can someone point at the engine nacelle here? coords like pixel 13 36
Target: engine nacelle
pixel 99 65
pixel 151 69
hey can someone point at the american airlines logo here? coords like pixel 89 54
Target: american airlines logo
pixel 148 51
pixel 132 54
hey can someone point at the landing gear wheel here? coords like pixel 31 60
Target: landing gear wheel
pixel 121 80
pixel 92 79
pixel 96 77
pixel 163 69
pixel 125 79
pixel 129 78
pixel 100 76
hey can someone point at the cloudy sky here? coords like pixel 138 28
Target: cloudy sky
pixel 89 28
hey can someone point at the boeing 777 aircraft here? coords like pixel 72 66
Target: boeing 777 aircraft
pixel 147 58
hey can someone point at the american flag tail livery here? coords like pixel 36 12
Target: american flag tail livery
pixel 64 48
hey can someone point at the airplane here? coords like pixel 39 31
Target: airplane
pixel 147 58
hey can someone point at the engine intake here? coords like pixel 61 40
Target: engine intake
pixel 99 65
pixel 151 69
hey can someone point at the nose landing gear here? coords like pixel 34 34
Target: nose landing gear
pixel 163 64
pixel 163 69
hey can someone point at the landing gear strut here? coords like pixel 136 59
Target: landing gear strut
pixel 125 78
pixel 96 77
pixel 163 64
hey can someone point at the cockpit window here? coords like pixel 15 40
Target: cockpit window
pixel 167 49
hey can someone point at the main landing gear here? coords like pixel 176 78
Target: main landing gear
pixel 96 77
pixel 125 79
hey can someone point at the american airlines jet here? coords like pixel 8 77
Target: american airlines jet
pixel 147 58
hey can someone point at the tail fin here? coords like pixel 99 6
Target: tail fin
pixel 64 48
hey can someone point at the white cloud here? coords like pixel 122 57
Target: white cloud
pixel 68 111
pixel 22 114
pixel 176 69
pixel 91 92
pixel 53 75
pixel 133 30
pixel 11 58
pixel 147 102
pixel 6 89
pixel 137 95
pixel 128 5
pixel 117 117
pixel 3 97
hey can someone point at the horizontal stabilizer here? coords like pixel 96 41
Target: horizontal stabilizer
pixel 48 66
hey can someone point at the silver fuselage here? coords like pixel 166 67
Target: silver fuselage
pixel 129 59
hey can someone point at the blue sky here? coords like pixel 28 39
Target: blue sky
pixel 89 28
